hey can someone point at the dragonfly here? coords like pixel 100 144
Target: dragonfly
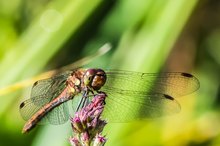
pixel 130 95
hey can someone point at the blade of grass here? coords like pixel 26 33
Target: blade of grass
pixel 37 45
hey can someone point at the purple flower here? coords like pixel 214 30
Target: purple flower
pixel 87 124
pixel 74 141
pixel 99 140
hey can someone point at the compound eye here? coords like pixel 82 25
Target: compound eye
pixel 88 76
pixel 98 80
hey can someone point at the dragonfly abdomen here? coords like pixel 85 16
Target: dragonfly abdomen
pixel 32 122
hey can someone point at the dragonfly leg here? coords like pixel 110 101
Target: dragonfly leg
pixel 79 105
pixel 82 101
pixel 84 98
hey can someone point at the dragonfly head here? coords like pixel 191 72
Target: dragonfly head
pixel 94 78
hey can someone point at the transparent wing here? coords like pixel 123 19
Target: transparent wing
pixel 175 84
pixel 127 106
pixel 52 86
pixel 135 96
pixel 44 91
pixel 56 116
pixel 77 99
pixel 28 108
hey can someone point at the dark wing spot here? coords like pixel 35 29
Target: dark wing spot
pixel 168 97
pixel 35 83
pixel 22 105
pixel 187 75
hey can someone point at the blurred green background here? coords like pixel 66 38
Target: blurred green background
pixel 146 35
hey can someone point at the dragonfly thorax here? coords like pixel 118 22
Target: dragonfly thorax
pixel 94 78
